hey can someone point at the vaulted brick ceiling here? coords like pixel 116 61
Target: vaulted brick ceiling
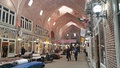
pixel 50 9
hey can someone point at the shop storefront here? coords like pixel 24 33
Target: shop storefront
pixel 7 42
pixel 98 48
pixel 42 45
pixel 38 44
pixel 116 11
pixel 27 42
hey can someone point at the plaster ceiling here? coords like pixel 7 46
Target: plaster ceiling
pixel 50 10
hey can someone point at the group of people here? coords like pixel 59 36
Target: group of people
pixel 69 51
pixel 74 51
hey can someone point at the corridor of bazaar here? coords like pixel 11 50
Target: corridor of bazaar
pixel 59 34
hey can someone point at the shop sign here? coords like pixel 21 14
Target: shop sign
pixel 68 41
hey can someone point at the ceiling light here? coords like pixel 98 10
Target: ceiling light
pixel 74 34
pixel 35 41
pixel 30 2
pixel 97 9
pixel 41 12
pixel 19 39
pixel 67 34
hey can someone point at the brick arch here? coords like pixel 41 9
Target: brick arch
pixel 70 29
pixel 75 11
pixel 68 17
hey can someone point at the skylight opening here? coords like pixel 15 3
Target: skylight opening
pixel 65 9
pixel 30 3
pixel 41 12
pixel 54 23
pixel 49 19
pixel 74 34
pixel 67 34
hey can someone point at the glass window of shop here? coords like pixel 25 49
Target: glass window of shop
pixel 11 46
pixel 118 5
pixel 102 45
pixel 30 25
pixel 7 16
pixel 27 46
pixel 0 12
pixel 118 15
pixel 119 32
pixel 46 32
pixel 0 46
pixel 38 30
pixel 26 23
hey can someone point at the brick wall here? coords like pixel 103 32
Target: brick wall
pixel 110 38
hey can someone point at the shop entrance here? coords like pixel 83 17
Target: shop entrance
pixel 7 47
pixel 0 48
pixel 97 52
pixel 4 48
pixel 11 48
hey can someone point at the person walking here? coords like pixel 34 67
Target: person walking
pixel 22 51
pixel 78 48
pixel 5 50
pixel 76 53
pixel 68 54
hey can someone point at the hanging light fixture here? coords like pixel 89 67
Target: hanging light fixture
pixel 97 9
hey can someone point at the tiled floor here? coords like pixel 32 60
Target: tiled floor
pixel 63 63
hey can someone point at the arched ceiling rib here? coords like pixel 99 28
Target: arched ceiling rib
pixel 66 18
pixel 70 30
pixel 68 25
pixel 68 3
pixel 50 8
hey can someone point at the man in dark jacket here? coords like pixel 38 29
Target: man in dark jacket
pixel 76 53
pixel 5 50
pixel 68 54
pixel 22 51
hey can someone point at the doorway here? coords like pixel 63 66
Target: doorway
pixel 11 48
pixel 0 48
pixel 97 52
pixel 7 47
pixel 4 50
